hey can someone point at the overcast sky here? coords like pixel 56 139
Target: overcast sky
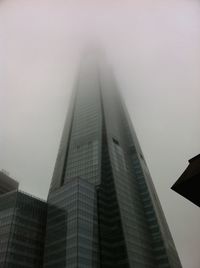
pixel 154 49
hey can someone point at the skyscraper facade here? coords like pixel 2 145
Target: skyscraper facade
pixel 103 210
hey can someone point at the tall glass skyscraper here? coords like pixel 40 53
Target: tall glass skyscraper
pixel 103 210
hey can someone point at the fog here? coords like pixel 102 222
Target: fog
pixel 153 47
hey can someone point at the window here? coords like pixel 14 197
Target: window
pixel 115 141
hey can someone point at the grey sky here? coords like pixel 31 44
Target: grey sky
pixel 154 49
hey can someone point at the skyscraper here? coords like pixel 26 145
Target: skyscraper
pixel 103 210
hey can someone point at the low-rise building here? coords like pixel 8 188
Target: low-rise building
pixel 7 184
pixel 22 230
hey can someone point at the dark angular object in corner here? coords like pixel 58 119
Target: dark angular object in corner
pixel 188 183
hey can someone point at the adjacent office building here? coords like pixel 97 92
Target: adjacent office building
pixel 188 183
pixel 22 230
pixel 103 210
pixel 7 184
